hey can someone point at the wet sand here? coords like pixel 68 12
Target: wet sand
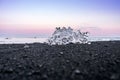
pixel 95 61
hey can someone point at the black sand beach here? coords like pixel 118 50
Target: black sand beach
pixel 95 61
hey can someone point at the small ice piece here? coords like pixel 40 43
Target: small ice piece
pixel 89 42
pixel 26 46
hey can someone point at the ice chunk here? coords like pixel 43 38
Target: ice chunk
pixel 62 36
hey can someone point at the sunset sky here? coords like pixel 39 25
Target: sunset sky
pixel 29 18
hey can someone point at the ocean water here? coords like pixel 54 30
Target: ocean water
pixel 22 40
pixel 42 40
pixel 100 38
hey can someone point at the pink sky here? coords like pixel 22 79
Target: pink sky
pixel 26 29
pixel 95 31
pixel 40 17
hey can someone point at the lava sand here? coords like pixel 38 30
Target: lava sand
pixel 95 61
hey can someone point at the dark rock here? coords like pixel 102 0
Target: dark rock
pixel 67 61
pixel 44 77
pixel 10 70
pixel 97 61
pixel 61 53
pixel 115 76
pixel 77 71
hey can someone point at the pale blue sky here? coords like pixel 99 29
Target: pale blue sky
pixel 34 17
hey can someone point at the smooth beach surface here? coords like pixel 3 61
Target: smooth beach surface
pixel 22 40
pixel 38 61
pixel 42 40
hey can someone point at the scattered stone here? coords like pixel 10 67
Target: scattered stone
pixel 14 58
pixel 67 61
pixel 61 53
pixel 10 70
pixel 40 65
pixel 24 56
pixel 29 73
pixel 21 73
pixel 115 76
pixel 20 66
pixel 36 73
pixel 73 64
pixel 44 76
pixel 108 53
pixel 77 71
pixel 87 51
pixel 1 66
pixel 105 45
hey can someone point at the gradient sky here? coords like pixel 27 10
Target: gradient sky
pixel 40 17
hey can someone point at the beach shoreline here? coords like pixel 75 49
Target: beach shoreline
pixel 99 60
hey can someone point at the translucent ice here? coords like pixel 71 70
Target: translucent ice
pixel 62 36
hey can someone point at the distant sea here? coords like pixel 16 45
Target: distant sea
pixel 104 38
pixel 42 40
